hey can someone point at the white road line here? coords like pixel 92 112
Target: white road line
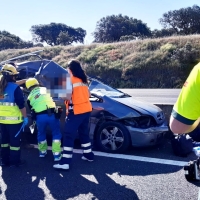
pixel 130 157
pixel 199 195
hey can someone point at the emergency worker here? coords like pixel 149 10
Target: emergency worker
pixel 185 115
pixel 24 136
pixel 43 107
pixel 12 116
pixel 78 114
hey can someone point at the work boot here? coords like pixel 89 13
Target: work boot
pixel 88 156
pixel 84 158
pixel 57 157
pixel 61 166
pixel 42 154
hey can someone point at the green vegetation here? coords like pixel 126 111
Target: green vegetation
pixel 11 41
pixel 148 63
pixel 57 34
pixel 116 28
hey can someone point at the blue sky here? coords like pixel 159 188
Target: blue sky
pixel 17 17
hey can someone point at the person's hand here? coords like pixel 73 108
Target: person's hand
pixel 25 122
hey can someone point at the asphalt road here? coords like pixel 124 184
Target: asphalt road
pixel 154 96
pixel 107 178
pixel 152 173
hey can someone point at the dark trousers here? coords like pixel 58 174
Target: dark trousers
pixel 73 124
pixel 10 145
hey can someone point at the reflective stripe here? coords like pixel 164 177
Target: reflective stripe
pixel 15 148
pixel 67 155
pixel 68 148
pixel 86 145
pixel 4 145
pixel 43 142
pixel 56 140
pixel 40 99
pixel 7 104
pixel 11 118
pixel 78 84
pixel 87 151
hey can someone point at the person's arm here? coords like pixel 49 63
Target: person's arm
pixel 178 127
pixel 23 111
pixel 185 115
pixel 21 82
pixel 89 92
pixel 19 100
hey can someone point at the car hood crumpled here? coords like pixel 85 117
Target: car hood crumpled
pixel 140 106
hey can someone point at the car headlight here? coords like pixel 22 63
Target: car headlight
pixel 141 122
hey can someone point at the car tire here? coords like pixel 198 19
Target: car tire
pixel 113 137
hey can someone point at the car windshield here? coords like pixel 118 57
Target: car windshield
pixel 100 89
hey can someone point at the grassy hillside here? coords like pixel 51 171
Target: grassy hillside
pixel 150 63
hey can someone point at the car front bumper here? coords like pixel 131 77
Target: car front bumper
pixel 147 137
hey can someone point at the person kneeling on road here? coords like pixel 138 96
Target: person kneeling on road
pixel 12 116
pixel 43 107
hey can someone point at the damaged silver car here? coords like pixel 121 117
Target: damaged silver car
pixel 117 119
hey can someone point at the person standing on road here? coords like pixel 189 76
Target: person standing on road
pixel 185 115
pixel 24 136
pixel 78 114
pixel 12 116
pixel 43 107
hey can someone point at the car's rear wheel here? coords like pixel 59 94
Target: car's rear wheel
pixel 113 137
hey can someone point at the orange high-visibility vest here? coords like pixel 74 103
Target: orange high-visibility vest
pixel 80 97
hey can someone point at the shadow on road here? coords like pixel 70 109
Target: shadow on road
pixel 105 178
pixel 38 180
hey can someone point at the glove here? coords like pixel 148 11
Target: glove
pixel 25 122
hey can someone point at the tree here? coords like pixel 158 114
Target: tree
pixel 64 38
pixel 112 28
pixel 183 21
pixel 162 33
pixel 127 38
pixel 57 34
pixel 11 41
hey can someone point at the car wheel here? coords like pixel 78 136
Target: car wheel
pixel 113 137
